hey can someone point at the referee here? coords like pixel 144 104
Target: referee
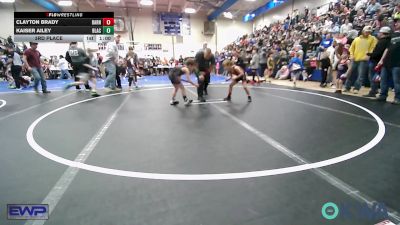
pixel 206 63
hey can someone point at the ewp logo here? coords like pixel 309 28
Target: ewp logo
pixel 331 211
pixel 28 212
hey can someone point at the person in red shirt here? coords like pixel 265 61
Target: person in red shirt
pixel 33 65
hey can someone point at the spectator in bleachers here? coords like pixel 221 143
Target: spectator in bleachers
pixel 359 20
pixel 360 4
pixel 346 27
pixel 343 23
pixel 351 36
pixel 327 41
pixel 372 7
pixel 341 38
pixel 359 49
pixel 396 12
pixel 379 22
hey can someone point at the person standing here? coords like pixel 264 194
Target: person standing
pixel 94 62
pixel 63 64
pixel 375 56
pixel 110 62
pixel 359 50
pixel 263 60
pixel 132 61
pixel 33 65
pixel 16 66
pixel 296 67
pixel 236 74
pixel 205 62
pixel 254 66
pixel 391 66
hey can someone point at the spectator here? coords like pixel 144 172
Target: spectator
pixel 270 67
pixel 396 12
pixel 63 64
pixel 331 53
pixel 181 60
pixel 16 66
pixel 341 39
pixel 373 7
pixel 255 65
pixel 375 56
pixel 110 62
pixel 391 66
pixel 283 73
pixel 379 22
pixel 299 49
pixel 342 68
pixel 360 4
pixel 327 41
pixel 32 63
pixel 346 27
pixel 351 36
pixel 359 49
pixel 296 67
pixel 263 61
pixel 325 63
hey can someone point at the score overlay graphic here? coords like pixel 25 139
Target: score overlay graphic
pixel 63 26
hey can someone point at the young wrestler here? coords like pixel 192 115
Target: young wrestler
pixel 237 74
pixel 82 68
pixel 175 77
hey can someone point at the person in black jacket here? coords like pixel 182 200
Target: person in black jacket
pixel 375 56
pixel 76 66
pixel 391 66
pixel 205 65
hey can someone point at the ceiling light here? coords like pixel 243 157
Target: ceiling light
pixel 228 15
pixel 190 10
pixel 113 1
pixel 64 3
pixel 146 2
pixel 7 1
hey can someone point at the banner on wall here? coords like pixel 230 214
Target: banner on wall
pixel 323 10
pixel 171 24
pixel 152 46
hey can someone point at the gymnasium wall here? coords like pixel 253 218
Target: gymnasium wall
pixel 227 31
